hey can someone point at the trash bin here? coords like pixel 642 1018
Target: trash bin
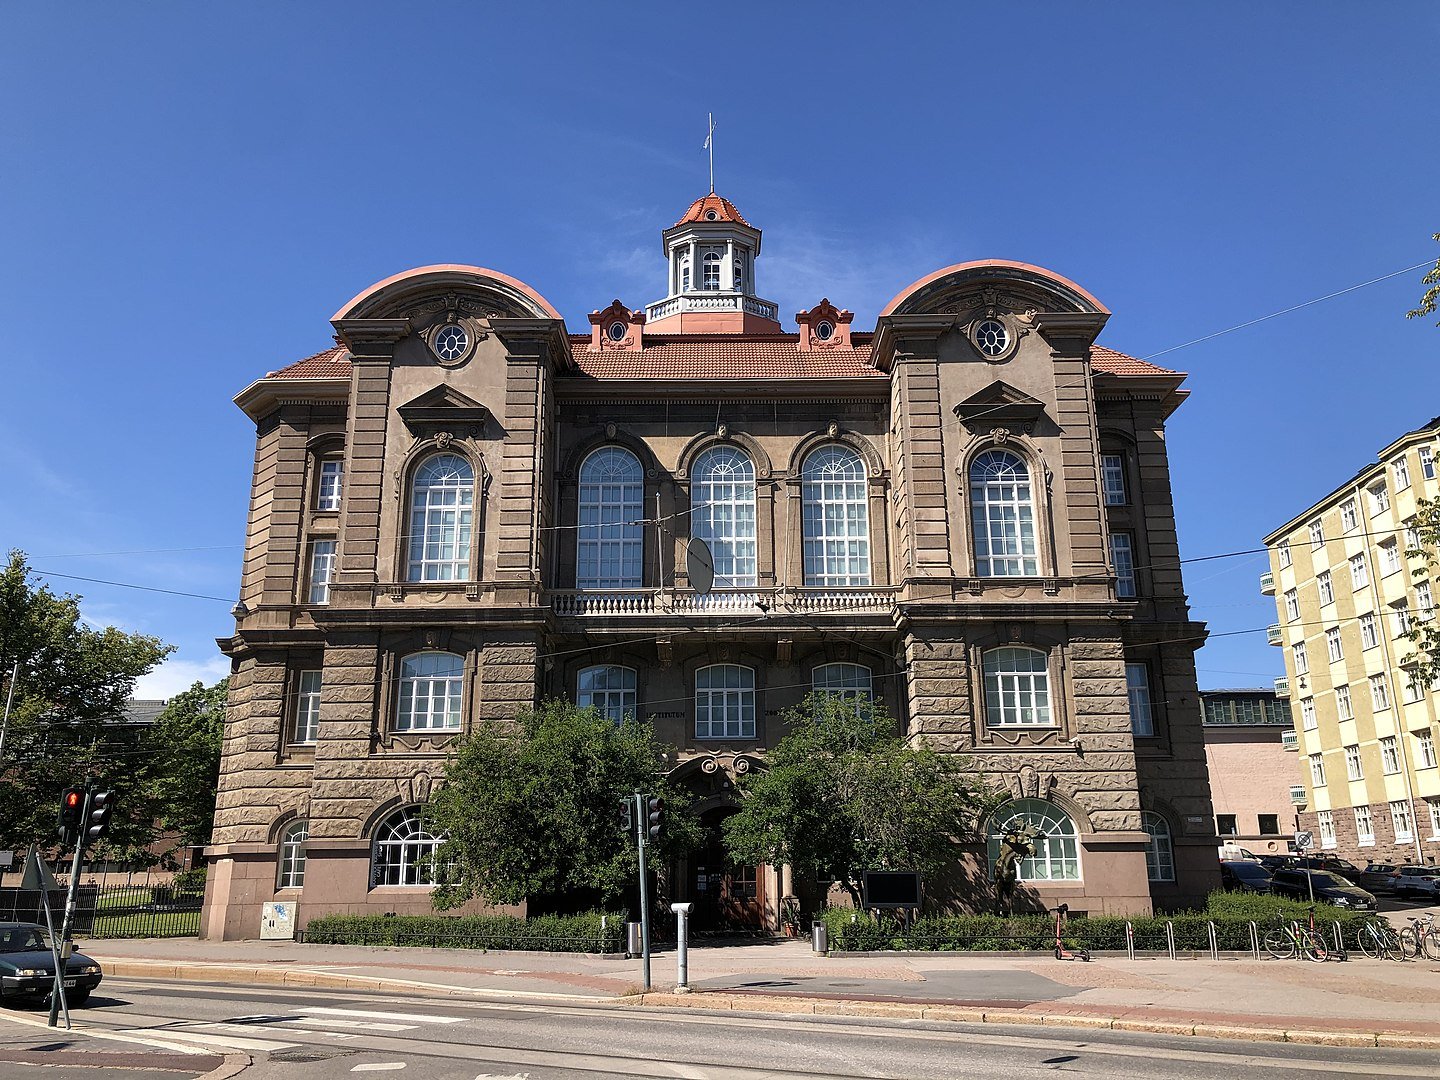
pixel 821 943
pixel 633 948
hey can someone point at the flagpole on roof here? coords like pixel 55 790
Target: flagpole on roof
pixel 710 145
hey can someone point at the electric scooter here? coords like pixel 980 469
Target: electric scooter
pixel 1062 952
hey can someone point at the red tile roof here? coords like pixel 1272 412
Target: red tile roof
pixel 1117 363
pixel 723 209
pixel 333 363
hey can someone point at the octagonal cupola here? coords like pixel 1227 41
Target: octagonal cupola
pixel 710 254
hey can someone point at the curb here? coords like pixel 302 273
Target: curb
pixel 969 1015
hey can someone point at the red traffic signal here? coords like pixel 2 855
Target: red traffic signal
pixel 72 807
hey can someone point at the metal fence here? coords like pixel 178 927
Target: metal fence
pixel 112 911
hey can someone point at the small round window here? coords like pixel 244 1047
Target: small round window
pixel 451 342
pixel 617 330
pixel 824 330
pixel 711 215
pixel 992 338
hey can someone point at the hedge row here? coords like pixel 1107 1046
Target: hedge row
pixel 850 931
pixel 545 933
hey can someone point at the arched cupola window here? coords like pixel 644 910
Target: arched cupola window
pixel 710 267
pixel 1002 516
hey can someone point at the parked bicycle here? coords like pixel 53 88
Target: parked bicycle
pixel 1379 941
pixel 1421 938
pixel 1288 940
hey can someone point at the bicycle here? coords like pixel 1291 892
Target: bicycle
pixel 1379 941
pixel 1287 940
pixel 1421 938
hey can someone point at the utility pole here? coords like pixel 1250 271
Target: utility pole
pixel 9 701
pixel 640 831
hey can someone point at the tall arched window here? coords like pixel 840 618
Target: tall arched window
pixel 710 269
pixel 442 498
pixel 430 692
pixel 1017 687
pixel 403 852
pixel 842 680
pixel 722 501
pixel 1159 849
pixel 725 702
pixel 1057 846
pixel 609 688
pixel 685 274
pixel 610 549
pixel 292 856
pixel 836 514
pixel 1002 516
pixel 738 269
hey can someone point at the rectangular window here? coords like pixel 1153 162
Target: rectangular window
pixel 1425 750
pixel 1137 682
pixel 1354 767
pixel 1326 821
pixel 1389 755
pixel 1379 692
pixel 1410 689
pixel 1389 557
pixel 1017 687
pixel 1379 498
pixel 322 564
pixel 1112 472
pixel 307 709
pixel 1424 602
pixel 1122 557
pixel 1412 539
pixel 1401 469
pixel 1317 533
pixel 1269 824
pixel 1427 463
pixel 1317 770
pixel 1282 553
pixel 1364 827
pixel 1402 821
pixel 1307 714
pixel 1359 572
pixel 1292 605
pixel 1433 805
pixel 1369 635
pixel 1349 519
pixel 1325 587
pixel 725 702
pixel 1302 659
pixel 327 491
pixel 1225 824
pixel 1343 708
pixel 1402 617
pixel 1333 645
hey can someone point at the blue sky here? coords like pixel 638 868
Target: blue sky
pixel 189 191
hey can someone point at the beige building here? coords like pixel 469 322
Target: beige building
pixel 1250 751
pixel 1346 592
pixel 463 507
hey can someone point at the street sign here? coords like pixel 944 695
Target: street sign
pixel 1304 841
pixel 7 860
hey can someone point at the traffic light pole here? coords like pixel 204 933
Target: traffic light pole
pixel 641 828
pixel 57 996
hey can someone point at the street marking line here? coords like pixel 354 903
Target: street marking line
pixel 113 1036
pixel 507 1076
pixel 379 1066
pixel 335 1021
pixel 372 1014
pixel 232 1041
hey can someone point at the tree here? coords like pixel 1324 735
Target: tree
pixel 182 772
pixel 844 793
pixel 1422 665
pixel 531 808
pixel 67 723
pixel 1432 294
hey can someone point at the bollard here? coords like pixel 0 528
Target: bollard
pixel 682 947
pixel 632 940
pixel 1339 938
pixel 821 942
pixel 1214 943
pixel 1170 938
pixel 1254 939
pixel 1130 939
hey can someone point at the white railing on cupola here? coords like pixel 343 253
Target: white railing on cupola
pixel 712 301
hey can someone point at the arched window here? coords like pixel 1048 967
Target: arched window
pixel 710 269
pixel 722 501
pixel 685 273
pixel 430 692
pixel 836 514
pixel 610 549
pixel 725 702
pixel 1057 845
pixel 292 855
pixel 609 688
pixel 1159 850
pixel 738 269
pixel 442 498
pixel 1017 687
pixel 842 680
pixel 1002 516
pixel 404 849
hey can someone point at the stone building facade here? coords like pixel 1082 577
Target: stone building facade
pixel 463 507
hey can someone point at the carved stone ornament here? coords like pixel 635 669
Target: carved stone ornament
pixel 722 430
pixel 420 787
pixel 665 651
pixel 1000 435
pixel 742 765
pixel 610 430
pixel 1029 783
pixel 443 440
pixel 833 428
pixel 710 766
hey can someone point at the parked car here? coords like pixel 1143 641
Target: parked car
pixel 1417 880
pixel 1378 877
pixel 1242 875
pixel 1333 863
pixel 1329 887
pixel 1275 862
pixel 27 967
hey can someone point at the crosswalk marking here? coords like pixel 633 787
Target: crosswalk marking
pixel 235 1042
pixel 379 1066
pixel 335 1021
pixel 507 1076
pixel 369 1014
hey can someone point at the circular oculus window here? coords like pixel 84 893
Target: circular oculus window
pixel 992 337
pixel 617 330
pixel 711 215
pixel 451 342
pixel 824 330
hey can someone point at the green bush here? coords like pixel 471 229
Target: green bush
pixel 190 880
pixel 547 933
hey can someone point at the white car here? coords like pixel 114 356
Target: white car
pixel 1417 880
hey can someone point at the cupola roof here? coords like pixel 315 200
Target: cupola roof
pixel 712 207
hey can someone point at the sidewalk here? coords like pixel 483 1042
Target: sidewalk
pixel 1359 1003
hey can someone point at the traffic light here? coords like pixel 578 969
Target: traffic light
pixel 102 805
pixel 72 809
pixel 627 812
pixel 653 817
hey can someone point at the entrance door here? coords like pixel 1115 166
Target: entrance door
pixel 726 896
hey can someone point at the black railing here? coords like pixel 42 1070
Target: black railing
pixel 112 911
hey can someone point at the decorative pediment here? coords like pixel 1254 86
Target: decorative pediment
pixel 1000 405
pixel 446 407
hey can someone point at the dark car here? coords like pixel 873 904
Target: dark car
pixel 1378 877
pixel 1336 865
pixel 1330 888
pixel 1275 862
pixel 1242 875
pixel 27 967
